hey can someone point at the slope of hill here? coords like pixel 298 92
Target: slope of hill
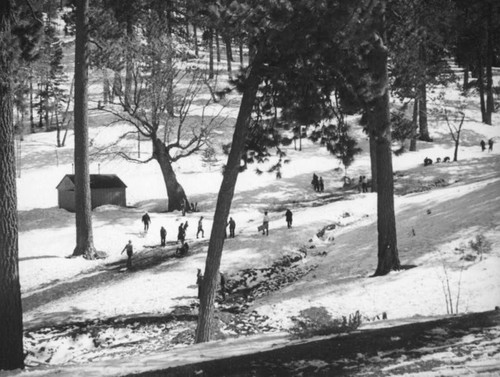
pixel 78 311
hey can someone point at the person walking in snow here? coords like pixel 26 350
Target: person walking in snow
pixel 232 227
pixel 130 251
pixel 265 224
pixel 490 145
pixel 315 182
pixel 288 217
pixel 181 234
pixel 200 228
pixel 146 220
pixel 163 236
pixel 483 145
pixel 321 185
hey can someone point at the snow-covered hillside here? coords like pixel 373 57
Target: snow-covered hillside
pixel 451 204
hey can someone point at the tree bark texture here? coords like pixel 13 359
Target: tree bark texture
pixel 373 161
pixel 175 192
pixel 422 112
pixel 224 199
pixel 229 55
pixel 465 85
pixel 380 126
pixel 11 322
pixel 83 213
pixel 129 63
pixel 480 83
pixel 490 105
pixel 413 140
pixel 217 46
pixel 195 39
pixel 211 54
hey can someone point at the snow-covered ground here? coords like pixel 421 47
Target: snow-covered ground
pixel 435 228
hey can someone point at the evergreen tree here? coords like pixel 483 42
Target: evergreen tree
pixel 83 215
pixel 18 30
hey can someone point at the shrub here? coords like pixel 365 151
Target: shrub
pixel 480 245
pixel 317 321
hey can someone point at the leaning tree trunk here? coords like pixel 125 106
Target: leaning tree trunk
pixel 11 321
pixel 84 235
pixel 175 193
pixel 224 199
pixel 380 126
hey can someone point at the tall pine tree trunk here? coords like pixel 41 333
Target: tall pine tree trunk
pixel 480 83
pixel 465 85
pixel 373 162
pixel 83 215
pixel 11 321
pixel 224 199
pixel 490 106
pixel 32 121
pixel 380 126
pixel 217 46
pixel 241 53
pixel 413 140
pixel 129 63
pixel 175 192
pixel 422 111
pixel 229 56
pixel 195 39
pixel 211 53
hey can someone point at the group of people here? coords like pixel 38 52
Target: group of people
pixel 186 207
pixel 490 145
pixel 317 183
pixel 428 161
pixel 362 184
pixel 183 249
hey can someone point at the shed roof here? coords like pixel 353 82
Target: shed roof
pixel 97 181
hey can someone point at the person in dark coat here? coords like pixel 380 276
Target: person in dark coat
pixel 181 234
pixel 130 251
pixel 183 250
pixel 288 217
pixel 315 182
pixel 265 224
pixel 483 145
pixel 232 227
pixel 490 145
pixel 200 228
pixel 360 183
pixel 146 220
pixel 364 184
pixel 321 185
pixel 163 236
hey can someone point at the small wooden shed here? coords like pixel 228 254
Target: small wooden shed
pixel 104 189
